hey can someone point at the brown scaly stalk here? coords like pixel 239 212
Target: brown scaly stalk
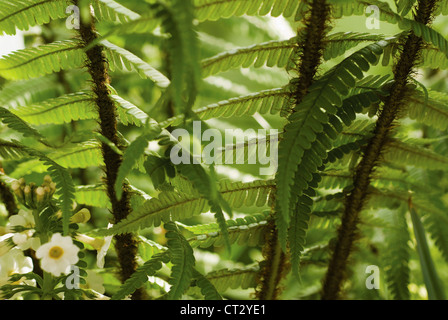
pixel 7 197
pixel 125 244
pixel 355 200
pixel 276 262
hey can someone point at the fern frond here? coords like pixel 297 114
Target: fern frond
pixel 10 151
pixel 207 288
pixel 94 195
pixel 37 89
pixel 205 183
pixel 16 123
pixel 311 121
pixel 436 224
pixel 109 10
pixel 347 8
pixel 272 53
pixel 129 113
pixel 23 14
pixel 65 188
pixel 244 231
pixel 131 157
pixel 64 109
pixel 432 281
pixel 176 206
pixel 220 9
pixel 140 276
pixel 404 6
pixel 270 101
pixel 83 155
pixel 411 154
pixel 397 254
pixel 225 279
pixel 125 60
pixel 338 43
pixel 432 112
pixel 77 106
pixel 182 259
pixel 44 59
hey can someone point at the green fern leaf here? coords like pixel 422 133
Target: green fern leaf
pixel 109 10
pixel 220 9
pixel 64 109
pixel 225 279
pixel 65 188
pixel 181 205
pixel 244 231
pixel 95 196
pixel 182 259
pixel 412 154
pixel 272 53
pixel 10 151
pixel 270 101
pixel 397 255
pixel 432 281
pixel 129 113
pixel 310 123
pixel 207 288
pixel 44 59
pixel 131 157
pixel 432 112
pixel 27 13
pixel 16 123
pixel 124 60
pixel 140 276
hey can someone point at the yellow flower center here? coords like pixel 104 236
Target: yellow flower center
pixel 56 252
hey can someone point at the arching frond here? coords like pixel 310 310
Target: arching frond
pixel 270 101
pixel 177 206
pixel 64 109
pixel 42 60
pixel 23 14
pixel 225 279
pixel 182 259
pixel 272 53
pixel 308 132
pixel 219 9
pixel 244 231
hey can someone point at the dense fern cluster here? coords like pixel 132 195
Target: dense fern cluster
pixel 362 149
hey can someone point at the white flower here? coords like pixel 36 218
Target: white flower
pixel 58 255
pixel 5 245
pixel 14 262
pixel 24 240
pixel 100 245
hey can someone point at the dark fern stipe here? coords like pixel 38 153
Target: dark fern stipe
pixel 224 150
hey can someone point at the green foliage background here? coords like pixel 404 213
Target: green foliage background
pixel 415 161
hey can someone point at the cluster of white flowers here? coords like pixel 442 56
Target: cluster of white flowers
pixel 57 256
pixel 12 245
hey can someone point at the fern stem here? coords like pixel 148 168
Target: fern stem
pixel 311 47
pixel 273 268
pixel 7 198
pixel 276 263
pixel 125 244
pixel 354 202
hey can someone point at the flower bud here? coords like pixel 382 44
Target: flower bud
pixel 82 216
pixel 28 196
pixel 40 196
pixel 17 190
